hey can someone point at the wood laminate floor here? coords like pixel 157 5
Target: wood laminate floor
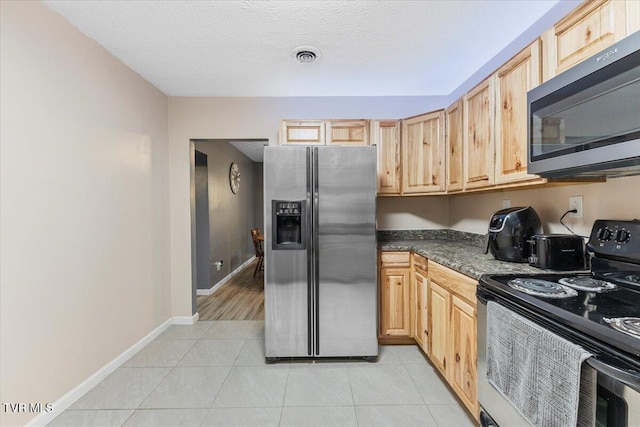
pixel 242 298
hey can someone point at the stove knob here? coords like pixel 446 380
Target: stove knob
pixel 604 234
pixel 622 236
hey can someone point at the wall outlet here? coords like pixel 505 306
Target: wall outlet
pixel 218 265
pixel 575 202
pixel 506 203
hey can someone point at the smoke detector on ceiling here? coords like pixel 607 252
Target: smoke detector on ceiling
pixel 306 54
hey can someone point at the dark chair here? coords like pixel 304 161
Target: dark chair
pixel 257 244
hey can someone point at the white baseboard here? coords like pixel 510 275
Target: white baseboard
pixel 186 320
pixel 226 278
pixel 63 403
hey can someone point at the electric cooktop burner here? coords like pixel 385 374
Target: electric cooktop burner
pixel 542 288
pixel 628 325
pixel 589 284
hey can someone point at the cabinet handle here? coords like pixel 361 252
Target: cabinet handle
pixel 457 357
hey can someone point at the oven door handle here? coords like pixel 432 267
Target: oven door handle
pixel 632 379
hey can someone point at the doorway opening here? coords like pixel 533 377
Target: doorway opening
pixel 226 204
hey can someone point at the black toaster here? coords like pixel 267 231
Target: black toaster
pixel 557 252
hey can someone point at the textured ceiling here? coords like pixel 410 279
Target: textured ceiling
pixel 243 48
pixel 252 149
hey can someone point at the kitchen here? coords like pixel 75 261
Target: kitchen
pixel 163 182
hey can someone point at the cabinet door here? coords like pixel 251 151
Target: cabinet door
pixel 394 302
pixel 423 153
pixel 421 307
pixel 454 146
pixel 514 79
pixel 386 136
pixel 439 303
pixel 478 134
pixel 463 351
pixel 347 132
pixel 307 132
pixel 590 28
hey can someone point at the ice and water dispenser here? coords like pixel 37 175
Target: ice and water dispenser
pixel 288 219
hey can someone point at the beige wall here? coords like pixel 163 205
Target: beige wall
pixel 412 213
pixel 84 210
pixel 615 199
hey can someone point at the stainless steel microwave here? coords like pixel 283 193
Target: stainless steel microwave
pixel 586 121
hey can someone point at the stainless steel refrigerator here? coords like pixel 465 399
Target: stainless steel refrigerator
pixel 321 294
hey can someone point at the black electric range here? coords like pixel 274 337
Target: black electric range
pixel 600 307
pixel 598 310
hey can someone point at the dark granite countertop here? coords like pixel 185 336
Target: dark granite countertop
pixel 462 252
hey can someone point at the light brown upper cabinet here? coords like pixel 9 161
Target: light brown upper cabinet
pixel 423 153
pixel 478 135
pixel 514 79
pixel 591 27
pixel 347 132
pixel 324 132
pixel 385 134
pixel 454 149
pixel 304 132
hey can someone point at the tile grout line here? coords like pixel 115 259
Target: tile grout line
pixel 353 399
pixel 213 401
pixel 172 368
pixel 284 395
pixel 151 392
pixel 416 386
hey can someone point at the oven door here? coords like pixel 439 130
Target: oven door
pixel 617 397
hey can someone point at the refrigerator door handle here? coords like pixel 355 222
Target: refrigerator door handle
pixel 316 249
pixel 308 237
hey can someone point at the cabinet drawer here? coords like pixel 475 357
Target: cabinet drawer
pixel 454 282
pixel 420 262
pixel 394 259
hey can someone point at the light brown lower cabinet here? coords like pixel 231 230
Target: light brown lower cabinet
pixel 394 319
pixel 428 303
pixel 420 301
pixel 394 294
pixel 452 331
pixel 464 352
pixel 439 311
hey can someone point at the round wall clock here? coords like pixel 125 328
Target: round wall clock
pixel 234 177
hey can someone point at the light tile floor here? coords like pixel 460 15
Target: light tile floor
pixel 213 374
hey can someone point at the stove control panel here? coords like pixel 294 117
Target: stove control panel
pixel 620 239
